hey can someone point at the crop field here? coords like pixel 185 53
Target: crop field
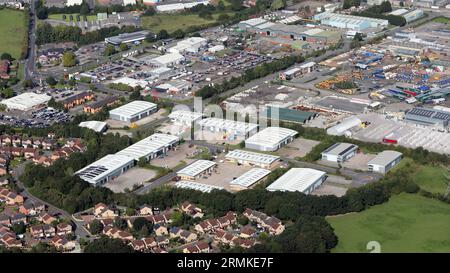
pixel 407 223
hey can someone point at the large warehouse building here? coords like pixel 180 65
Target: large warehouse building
pixel 252 159
pixel 248 179
pixel 384 161
pixel 185 118
pixel 226 126
pixel 294 32
pixel 150 147
pixel 169 59
pixel 196 170
pixel 26 101
pixel 339 152
pixel 125 38
pixel 192 45
pixel 304 180
pixel 105 169
pixel 133 111
pixel 196 186
pixel 428 116
pixel 352 22
pixel 270 139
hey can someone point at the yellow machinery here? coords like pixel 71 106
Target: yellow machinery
pixel 133 125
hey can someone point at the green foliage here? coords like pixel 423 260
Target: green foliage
pixel 107 245
pixel 121 87
pixel 69 59
pixel 95 227
pixel 109 50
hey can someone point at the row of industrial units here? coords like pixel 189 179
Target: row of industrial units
pixel 113 165
pixel 295 32
pixel 382 163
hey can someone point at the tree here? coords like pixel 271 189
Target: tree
pixel 6 56
pixel 95 227
pixel 107 245
pixel 28 84
pixel 150 11
pixel 163 34
pixel 69 59
pixel 51 81
pixel 278 4
pixel 42 13
pixel 110 50
pixel 7 93
pixel 178 34
pixel 142 226
pixel 142 162
pixel 223 18
pixel 19 228
pixel 123 47
pixel 84 10
pixel 120 223
pixel 221 6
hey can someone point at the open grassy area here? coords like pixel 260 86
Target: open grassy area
pixel 172 22
pixel 442 20
pixel 432 179
pixel 13 31
pixel 90 18
pixel 407 223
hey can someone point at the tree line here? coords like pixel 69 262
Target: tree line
pixel 46 33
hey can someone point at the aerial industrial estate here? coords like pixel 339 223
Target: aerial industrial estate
pixel 224 126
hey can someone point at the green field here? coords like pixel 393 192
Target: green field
pixel 442 20
pixel 407 223
pixel 90 18
pixel 432 179
pixel 172 22
pixel 13 31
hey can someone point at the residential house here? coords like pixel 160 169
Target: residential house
pixel 160 230
pixel 62 243
pixel 192 210
pixel 138 245
pixel 247 232
pixel 150 242
pixel 63 229
pixel 198 247
pixel 145 210
pixel 49 231
pixel 46 218
pixel 188 236
pixel 162 241
pixel 37 231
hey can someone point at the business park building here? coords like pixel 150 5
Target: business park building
pixel 133 111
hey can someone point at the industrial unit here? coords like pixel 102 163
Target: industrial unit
pixel 169 59
pixel 196 186
pixel 298 71
pixel 185 118
pixel 133 111
pixel 252 159
pixel 409 15
pixel 248 179
pixel 196 170
pixel 150 147
pixel 26 101
pixel 230 127
pixel 304 180
pixel 349 21
pixel 428 116
pixel 384 161
pixel 294 32
pixel 97 126
pixel 270 139
pixel 286 114
pixel 340 152
pixel 191 44
pixel 343 128
pixel 125 38
pixel 105 169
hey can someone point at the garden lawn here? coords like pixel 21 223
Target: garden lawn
pixel 432 178
pixel 407 223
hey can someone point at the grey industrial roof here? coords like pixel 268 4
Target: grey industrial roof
pixel 385 158
pixel 252 156
pixel 339 149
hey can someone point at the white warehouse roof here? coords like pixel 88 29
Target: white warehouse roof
pixel 103 167
pixel 385 158
pixel 97 126
pixel 228 125
pixel 196 168
pixel 252 156
pixel 149 145
pixel 251 177
pixel 185 116
pixel 196 186
pixel 296 179
pixel 133 108
pixel 168 59
pixel 270 136
pixel 345 125
pixel 26 101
